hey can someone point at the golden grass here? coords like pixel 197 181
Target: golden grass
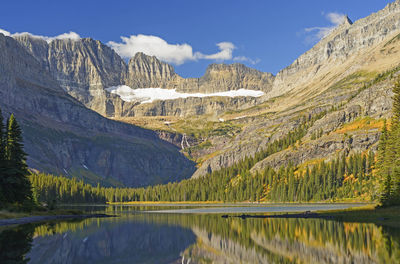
pixel 366 123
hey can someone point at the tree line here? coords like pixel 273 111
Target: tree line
pixel 343 177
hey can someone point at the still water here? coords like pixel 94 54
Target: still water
pixel 149 235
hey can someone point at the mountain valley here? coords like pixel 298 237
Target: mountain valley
pixel 345 80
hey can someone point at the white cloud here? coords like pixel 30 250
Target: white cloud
pixel 335 19
pixel 153 46
pixel 226 49
pixel 69 35
pixel 171 53
pixel 246 59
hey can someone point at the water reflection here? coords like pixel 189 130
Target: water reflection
pixel 186 238
pixel 15 244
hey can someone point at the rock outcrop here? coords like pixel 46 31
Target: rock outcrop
pixel 62 136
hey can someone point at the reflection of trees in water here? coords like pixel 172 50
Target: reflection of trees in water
pixel 391 237
pixel 250 240
pixel 287 240
pixel 15 243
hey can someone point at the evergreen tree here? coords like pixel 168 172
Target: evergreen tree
pixel 389 154
pixel 395 144
pixel 2 160
pixel 16 174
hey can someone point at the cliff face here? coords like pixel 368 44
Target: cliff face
pixel 83 68
pixel 61 136
pixel 148 72
pixel 191 106
pixel 224 77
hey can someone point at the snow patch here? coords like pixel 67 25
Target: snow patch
pixel 148 95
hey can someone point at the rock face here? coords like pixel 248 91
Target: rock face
pixel 191 106
pixel 223 77
pixel 61 136
pixel 83 68
pixel 148 72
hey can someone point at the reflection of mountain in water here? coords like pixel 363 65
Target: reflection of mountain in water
pixel 186 238
pixel 126 242
pixel 295 241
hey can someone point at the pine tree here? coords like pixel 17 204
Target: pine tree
pixel 3 186
pixel 17 171
pixel 389 154
pixel 395 144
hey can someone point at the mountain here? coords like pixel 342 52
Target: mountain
pixel 82 68
pixel 86 67
pixel 62 136
pixel 340 88
pixel 224 77
pixel 147 71
pixel 346 77
pixel 345 50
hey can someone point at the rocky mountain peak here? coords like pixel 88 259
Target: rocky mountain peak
pixel 237 68
pixel 347 21
pixel 330 52
pixel 147 71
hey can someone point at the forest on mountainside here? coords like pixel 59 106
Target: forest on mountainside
pixel 357 176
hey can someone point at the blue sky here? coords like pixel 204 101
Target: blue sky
pixel 266 35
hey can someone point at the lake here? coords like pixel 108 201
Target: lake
pixel 198 234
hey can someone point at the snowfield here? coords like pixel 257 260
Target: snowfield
pixel 148 95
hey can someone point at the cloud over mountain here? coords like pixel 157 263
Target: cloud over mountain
pixel 70 35
pixel 318 33
pixel 171 53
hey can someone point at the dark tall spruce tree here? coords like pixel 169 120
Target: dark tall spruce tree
pixel 389 155
pixel 2 159
pixel 14 183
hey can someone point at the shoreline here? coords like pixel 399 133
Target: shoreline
pixel 182 203
pixel 44 218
